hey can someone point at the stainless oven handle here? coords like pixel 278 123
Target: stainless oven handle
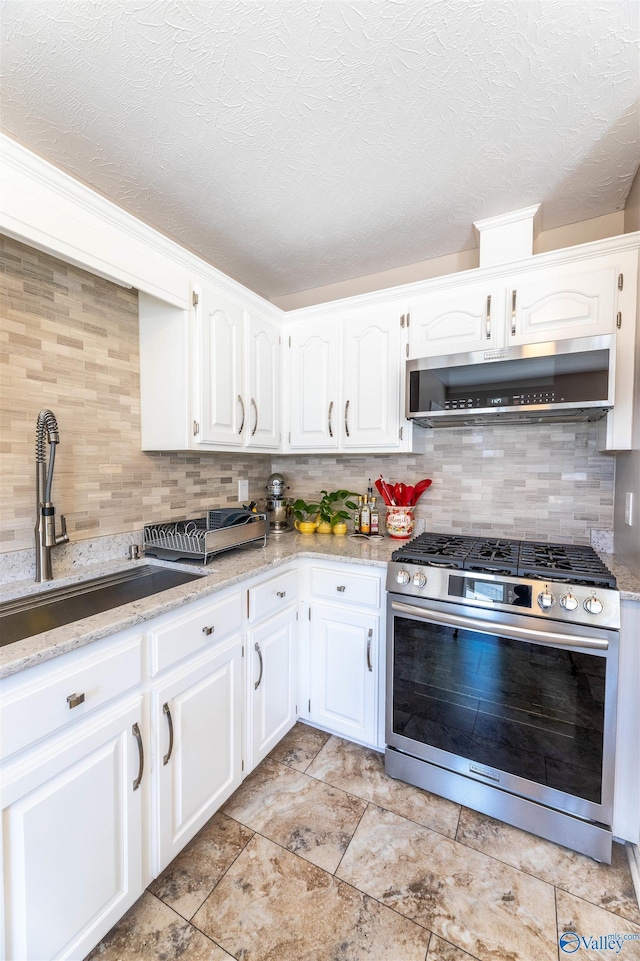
pixel 522 633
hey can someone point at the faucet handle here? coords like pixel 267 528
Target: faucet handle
pixel 63 537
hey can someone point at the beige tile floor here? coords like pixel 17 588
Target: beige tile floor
pixel 319 856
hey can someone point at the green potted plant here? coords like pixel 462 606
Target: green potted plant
pixel 327 514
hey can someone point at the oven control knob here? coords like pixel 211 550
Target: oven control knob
pixel 546 600
pixel 593 605
pixel 568 602
pixel 402 577
pixel 419 579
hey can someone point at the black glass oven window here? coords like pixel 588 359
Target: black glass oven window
pixel 527 709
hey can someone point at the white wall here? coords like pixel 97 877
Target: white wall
pixel 627 539
pixel 583 232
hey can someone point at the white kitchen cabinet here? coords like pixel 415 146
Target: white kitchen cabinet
pixel 456 320
pixel 72 802
pixel 342 682
pixel 544 302
pixel 262 391
pixel 272 677
pixel 346 376
pixel 314 385
pixel 196 707
pixel 210 376
pixel 371 379
pixel 343 655
pixel 272 664
pixel 220 410
pixel 196 722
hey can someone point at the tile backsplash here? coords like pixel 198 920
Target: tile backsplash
pixel 69 341
pixel 543 482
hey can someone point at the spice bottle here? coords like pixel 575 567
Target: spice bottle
pixel 356 516
pixel 365 517
pixel 375 517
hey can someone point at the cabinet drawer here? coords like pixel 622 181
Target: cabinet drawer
pixel 273 595
pixel 335 585
pixel 50 696
pixel 193 630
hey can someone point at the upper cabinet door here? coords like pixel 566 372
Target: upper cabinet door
pixel 262 427
pixel 455 321
pixel 221 408
pixel 315 361
pixel 560 302
pixel 370 406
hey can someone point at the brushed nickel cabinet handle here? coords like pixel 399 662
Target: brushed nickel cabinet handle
pixel 514 295
pixel 489 317
pixel 241 402
pixel 369 637
pixel 74 699
pixel 208 630
pixel 167 712
pixel 346 418
pixel 135 730
pixel 257 683
pixel 255 407
pixel 341 587
pixel 329 418
pixel 281 593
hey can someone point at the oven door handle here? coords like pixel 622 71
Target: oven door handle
pixel 521 633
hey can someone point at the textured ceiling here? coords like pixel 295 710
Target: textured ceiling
pixel 295 144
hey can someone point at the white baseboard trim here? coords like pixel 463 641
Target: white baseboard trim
pixel 633 853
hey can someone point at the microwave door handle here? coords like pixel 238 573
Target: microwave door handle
pixel 484 627
pixel 488 316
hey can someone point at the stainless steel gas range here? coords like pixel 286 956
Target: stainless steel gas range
pixel 502 662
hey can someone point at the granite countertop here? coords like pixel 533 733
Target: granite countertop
pixel 225 570
pixel 232 567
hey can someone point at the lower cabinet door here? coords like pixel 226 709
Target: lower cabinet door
pixel 197 733
pixel 272 683
pixel 72 838
pixel 343 668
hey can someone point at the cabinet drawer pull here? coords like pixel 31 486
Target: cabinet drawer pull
pixel 257 683
pixel 514 295
pixel 342 588
pixel 489 317
pixel 281 593
pixel 135 730
pixel 346 418
pixel 329 419
pixel 74 699
pixel 241 402
pixel 167 712
pixel 369 636
pixel 255 407
pixel 208 630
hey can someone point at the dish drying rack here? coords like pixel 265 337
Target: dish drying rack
pixel 199 539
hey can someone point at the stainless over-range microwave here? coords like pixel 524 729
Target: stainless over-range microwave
pixel 567 380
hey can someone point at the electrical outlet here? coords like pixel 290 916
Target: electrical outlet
pixel 243 490
pixel 628 508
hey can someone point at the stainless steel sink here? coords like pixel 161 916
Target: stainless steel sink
pixel 40 612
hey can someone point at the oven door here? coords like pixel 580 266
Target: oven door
pixel 512 701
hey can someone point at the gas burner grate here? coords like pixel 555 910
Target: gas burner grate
pixel 497 555
pixel 567 563
pixel 436 550
pixel 575 563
